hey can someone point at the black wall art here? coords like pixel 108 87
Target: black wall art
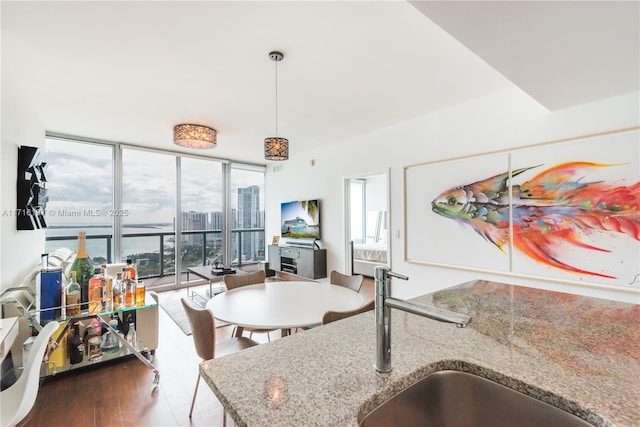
pixel 31 194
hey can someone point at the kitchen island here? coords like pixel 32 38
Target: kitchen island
pixel 577 353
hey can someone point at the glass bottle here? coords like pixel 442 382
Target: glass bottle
pixel 72 296
pixel 133 271
pixel 129 289
pixel 76 347
pixel 83 268
pixel 108 289
pixel 140 291
pixel 96 288
pixel 117 292
pixel 119 326
pixel 132 336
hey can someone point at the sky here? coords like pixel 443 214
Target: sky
pixel 80 186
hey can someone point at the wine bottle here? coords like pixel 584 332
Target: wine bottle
pixel 76 350
pixel 84 269
pixel 72 296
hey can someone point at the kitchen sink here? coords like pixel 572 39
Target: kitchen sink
pixel 454 398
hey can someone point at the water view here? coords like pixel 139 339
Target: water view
pixel 142 244
pixel 97 247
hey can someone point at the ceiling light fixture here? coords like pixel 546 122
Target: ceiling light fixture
pixel 275 147
pixel 194 136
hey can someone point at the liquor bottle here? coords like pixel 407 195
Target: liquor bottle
pixel 133 271
pixel 83 268
pixel 108 289
pixel 76 348
pixel 140 291
pixel 117 292
pixel 96 287
pixel 72 296
pixel 119 325
pixel 129 290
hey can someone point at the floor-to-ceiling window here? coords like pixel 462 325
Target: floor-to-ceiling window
pixel 202 211
pixel 163 210
pixel 247 208
pixel 80 189
pixel 149 201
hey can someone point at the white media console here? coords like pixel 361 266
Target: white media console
pixel 303 260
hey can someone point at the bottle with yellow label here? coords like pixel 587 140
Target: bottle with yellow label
pixel 72 296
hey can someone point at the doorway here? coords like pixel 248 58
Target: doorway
pixel 367 222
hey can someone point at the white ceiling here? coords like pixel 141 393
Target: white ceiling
pixel 129 71
pixel 562 53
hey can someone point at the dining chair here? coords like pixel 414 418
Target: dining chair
pixel 203 328
pixel 332 316
pixel 18 399
pixel 232 281
pixel 352 282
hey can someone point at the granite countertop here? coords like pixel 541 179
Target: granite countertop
pixel 578 353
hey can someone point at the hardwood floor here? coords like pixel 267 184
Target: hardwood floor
pixel 120 393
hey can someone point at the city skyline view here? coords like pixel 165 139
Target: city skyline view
pixel 81 182
pixel 80 185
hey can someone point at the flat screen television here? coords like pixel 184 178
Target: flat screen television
pixel 300 219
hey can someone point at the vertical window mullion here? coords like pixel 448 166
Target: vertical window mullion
pixel 117 202
pixel 178 222
pixel 226 206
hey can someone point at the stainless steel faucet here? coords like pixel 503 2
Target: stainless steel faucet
pixel 383 305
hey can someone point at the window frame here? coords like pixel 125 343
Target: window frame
pixel 117 174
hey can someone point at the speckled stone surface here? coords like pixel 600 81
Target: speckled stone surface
pixel 577 353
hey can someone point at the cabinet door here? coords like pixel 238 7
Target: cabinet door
pixel 306 263
pixel 274 258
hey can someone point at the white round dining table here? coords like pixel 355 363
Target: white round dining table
pixel 282 305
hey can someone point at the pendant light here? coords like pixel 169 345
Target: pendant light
pixel 275 147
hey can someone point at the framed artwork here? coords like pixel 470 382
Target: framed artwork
pixel 275 241
pixel 567 211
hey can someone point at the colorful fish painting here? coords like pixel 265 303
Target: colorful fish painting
pixel 557 207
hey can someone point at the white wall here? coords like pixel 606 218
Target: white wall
pixel 19 250
pixel 503 120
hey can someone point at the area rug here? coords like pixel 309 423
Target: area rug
pixel 170 302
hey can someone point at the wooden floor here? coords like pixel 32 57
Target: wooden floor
pixel 120 393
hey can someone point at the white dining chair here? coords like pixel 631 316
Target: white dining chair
pixel 18 399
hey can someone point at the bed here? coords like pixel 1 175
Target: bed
pixel 366 256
